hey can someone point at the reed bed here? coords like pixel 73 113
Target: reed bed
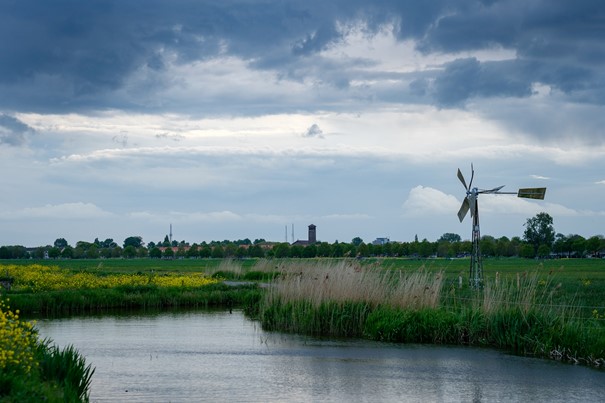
pixel 344 298
pixel 348 281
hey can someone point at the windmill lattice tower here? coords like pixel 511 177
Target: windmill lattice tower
pixel 471 202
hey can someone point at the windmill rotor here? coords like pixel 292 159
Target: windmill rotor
pixel 470 203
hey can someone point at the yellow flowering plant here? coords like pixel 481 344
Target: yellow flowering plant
pixel 36 278
pixel 18 342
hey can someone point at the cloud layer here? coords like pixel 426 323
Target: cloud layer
pixel 236 118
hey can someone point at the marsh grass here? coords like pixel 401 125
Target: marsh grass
pixel 335 298
pixel 347 281
pixel 344 298
pixel 33 370
pixel 67 367
pixel 67 302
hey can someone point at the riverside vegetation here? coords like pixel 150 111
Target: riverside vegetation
pixel 551 309
pixel 35 370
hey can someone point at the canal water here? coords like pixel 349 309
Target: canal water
pixel 216 356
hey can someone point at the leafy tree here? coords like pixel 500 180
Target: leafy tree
pixel 324 249
pixel 155 253
pixel 241 252
pixel 92 252
pixel 54 252
pixel 166 242
pixel 593 244
pixel 444 249
pixel 559 246
pixel 230 250
pixel 256 251
pixel 296 251
pixel 60 243
pixel 488 245
pixel 15 252
pixel 362 250
pixel 543 251
pixel 449 237
pixel 168 253
pixel 181 252
pixel 83 245
pixel 108 243
pixel 142 252
pixel 193 251
pixel 337 249
pixel 539 230
pixel 310 251
pixel 257 241
pixel 217 252
pixel 39 252
pixel 527 251
pixel 151 245
pixel 427 248
pixel 67 252
pixel 116 252
pixel 129 252
pixel 281 250
pixel 357 241
pixel 205 251
pixel 134 241
pixel 578 245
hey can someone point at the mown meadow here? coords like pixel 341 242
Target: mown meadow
pixel 551 308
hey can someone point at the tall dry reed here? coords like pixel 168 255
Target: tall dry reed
pixel 525 292
pixel 348 281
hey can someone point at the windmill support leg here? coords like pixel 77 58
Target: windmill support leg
pixel 476 269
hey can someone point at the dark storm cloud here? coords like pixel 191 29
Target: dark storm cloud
pixel 558 43
pixel 466 78
pixel 67 54
pixel 13 131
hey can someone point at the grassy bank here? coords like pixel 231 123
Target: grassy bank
pixel 34 370
pixel 545 308
pixel 50 290
pixel 521 314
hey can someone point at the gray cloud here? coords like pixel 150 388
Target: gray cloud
pixel 68 55
pixel 13 131
pixel 314 131
pixel 466 78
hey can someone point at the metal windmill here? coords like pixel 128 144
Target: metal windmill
pixel 470 202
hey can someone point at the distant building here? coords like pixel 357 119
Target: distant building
pixel 312 237
pixel 381 241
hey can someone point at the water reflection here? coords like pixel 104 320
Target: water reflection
pixel 217 356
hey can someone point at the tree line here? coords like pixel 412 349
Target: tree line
pixel 539 240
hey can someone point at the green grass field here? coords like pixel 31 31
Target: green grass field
pixel 529 307
pixel 582 281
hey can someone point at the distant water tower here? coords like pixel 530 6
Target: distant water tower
pixel 312 234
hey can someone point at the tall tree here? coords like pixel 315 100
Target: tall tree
pixel 60 243
pixel 539 230
pixel 450 237
pixel 135 241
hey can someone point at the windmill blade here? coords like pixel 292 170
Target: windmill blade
pixel 461 177
pixel 532 193
pixel 494 190
pixel 463 209
pixel 472 201
pixel 472 176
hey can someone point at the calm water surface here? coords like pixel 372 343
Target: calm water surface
pixel 222 357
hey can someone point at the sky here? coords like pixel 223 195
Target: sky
pixel 255 118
